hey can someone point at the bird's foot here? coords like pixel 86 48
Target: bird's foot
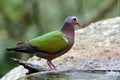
pixel 51 65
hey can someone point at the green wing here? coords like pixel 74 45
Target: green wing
pixel 52 42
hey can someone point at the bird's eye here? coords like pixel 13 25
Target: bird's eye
pixel 74 19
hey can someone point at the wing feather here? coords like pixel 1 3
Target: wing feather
pixel 52 42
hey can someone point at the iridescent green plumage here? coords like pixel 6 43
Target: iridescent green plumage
pixel 52 42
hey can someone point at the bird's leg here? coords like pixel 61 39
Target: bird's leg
pixel 51 65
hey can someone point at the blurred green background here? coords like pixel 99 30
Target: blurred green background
pixel 21 20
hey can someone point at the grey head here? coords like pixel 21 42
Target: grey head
pixel 73 20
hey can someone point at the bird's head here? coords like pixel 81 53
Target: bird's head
pixel 72 20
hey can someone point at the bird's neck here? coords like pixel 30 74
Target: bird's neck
pixel 68 31
pixel 67 26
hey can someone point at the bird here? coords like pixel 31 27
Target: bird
pixel 50 45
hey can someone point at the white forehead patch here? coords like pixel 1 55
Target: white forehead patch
pixel 70 18
pixel 74 17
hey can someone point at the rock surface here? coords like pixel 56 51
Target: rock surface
pixel 96 47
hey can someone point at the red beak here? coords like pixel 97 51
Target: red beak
pixel 78 24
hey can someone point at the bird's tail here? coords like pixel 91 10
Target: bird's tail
pixel 11 49
pixel 23 47
pixel 18 48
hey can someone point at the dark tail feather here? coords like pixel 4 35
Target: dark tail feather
pixel 11 49
pixel 17 49
pixel 23 47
